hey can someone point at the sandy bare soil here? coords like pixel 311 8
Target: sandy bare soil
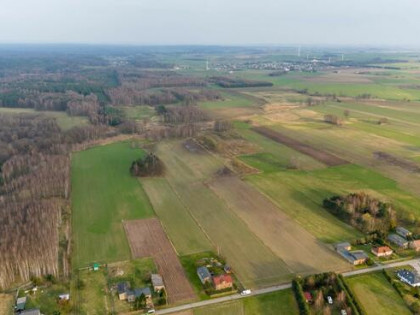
pixel 148 239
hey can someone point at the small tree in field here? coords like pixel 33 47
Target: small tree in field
pixel 150 165
pixel 346 113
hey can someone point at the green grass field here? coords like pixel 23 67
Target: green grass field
pixel 273 156
pixel 376 295
pixel 229 100
pixel 64 121
pixel 92 298
pixel 138 112
pixel 180 226
pixel 104 194
pixel 280 302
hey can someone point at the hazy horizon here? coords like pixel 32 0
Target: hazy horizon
pixel 376 23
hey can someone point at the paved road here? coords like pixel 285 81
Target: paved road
pixel 414 262
pixel 224 299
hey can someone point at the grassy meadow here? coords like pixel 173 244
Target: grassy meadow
pixel 376 295
pixel 103 195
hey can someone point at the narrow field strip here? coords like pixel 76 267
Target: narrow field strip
pixel 148 239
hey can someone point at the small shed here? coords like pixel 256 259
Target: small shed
pixel 34 311
pixel 157 282
pixel 20 303
pixel 96 266
pixel 64 297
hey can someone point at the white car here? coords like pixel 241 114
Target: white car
pixel 330 300
pixel 246 292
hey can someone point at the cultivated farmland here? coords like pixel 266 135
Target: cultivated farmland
pixel 180 226
pixel 300 250
pixel 103 194
pixel 321 156
pixel 148 239
pixel 187 170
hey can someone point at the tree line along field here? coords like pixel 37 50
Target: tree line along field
pixel 104 194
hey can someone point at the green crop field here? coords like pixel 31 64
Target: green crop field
pixel 104 194
pixel 280 302
pixel 184 233
pixel 64 121
pixel 376 295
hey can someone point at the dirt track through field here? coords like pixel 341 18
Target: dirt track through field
pixel 324 157
pixel 148 239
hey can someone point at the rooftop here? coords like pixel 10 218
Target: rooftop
pixel 203 272
pixel 409 276
pixel 381 249
pixel 157 280
pixel 222 278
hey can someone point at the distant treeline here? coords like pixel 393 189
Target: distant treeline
pixel 238 83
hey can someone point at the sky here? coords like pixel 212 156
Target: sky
pixel 212 22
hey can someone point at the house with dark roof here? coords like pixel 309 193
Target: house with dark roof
pixel 204 274
pixel 403 232
pixel 342 246
pixel 133 294
pixel 410 277
pixel 398 240
pixel 122 289
pixel 222 282
pixel 355 257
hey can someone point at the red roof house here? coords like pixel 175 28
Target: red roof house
pixel 308 296
pixel 222 282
